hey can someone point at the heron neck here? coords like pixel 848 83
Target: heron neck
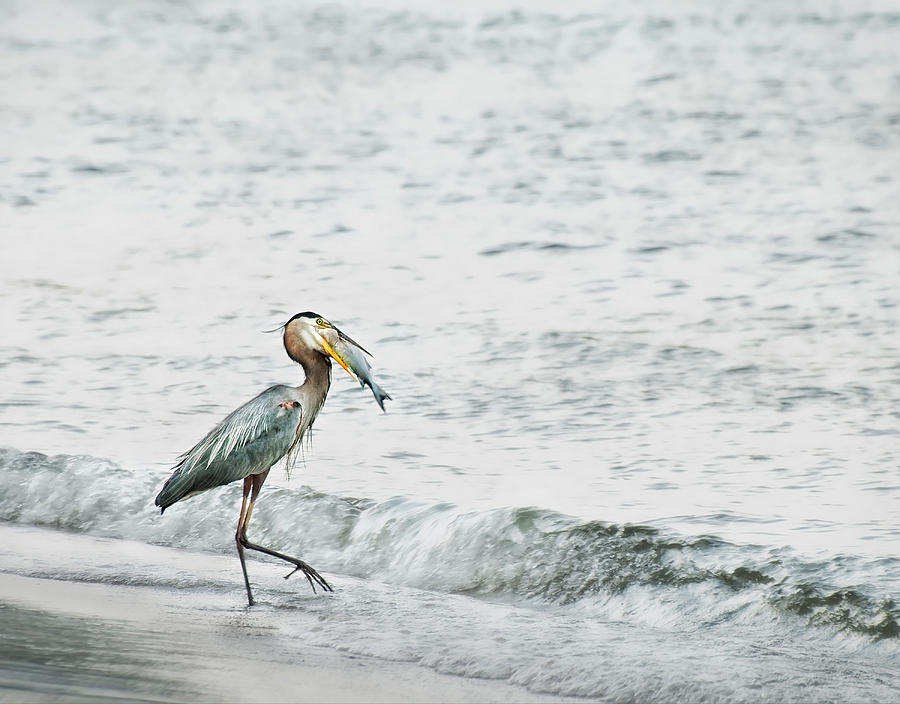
pixel 317 369
pixel 318 377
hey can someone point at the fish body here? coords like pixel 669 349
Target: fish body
pixel 354 357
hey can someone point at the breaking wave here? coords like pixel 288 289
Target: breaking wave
pixel 530 554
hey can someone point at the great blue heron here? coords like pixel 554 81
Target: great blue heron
pixel 249 441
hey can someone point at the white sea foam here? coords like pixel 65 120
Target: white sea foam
pixel 633 573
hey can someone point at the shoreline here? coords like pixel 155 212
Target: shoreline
pixel 79 641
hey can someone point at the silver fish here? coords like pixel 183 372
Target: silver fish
pixel 354 356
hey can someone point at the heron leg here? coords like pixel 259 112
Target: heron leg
pixel 241 527
pixel 311 575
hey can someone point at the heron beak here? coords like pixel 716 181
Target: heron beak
pixel 330 350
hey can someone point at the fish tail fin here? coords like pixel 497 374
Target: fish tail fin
pixel 380 394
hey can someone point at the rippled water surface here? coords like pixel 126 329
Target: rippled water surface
pixel 623 268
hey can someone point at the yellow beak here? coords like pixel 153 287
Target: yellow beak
pixel 330 350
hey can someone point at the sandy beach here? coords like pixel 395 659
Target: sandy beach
pixel 74 641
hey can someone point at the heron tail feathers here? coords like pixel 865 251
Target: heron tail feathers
pixel 176 488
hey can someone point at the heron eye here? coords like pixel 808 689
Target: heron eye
pixel 322 323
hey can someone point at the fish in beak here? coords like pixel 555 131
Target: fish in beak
pixel 352 356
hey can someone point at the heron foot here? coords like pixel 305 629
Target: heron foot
pixel 312 576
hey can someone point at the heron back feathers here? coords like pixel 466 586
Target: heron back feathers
pixel 248 441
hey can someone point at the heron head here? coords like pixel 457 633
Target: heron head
pixel 311 331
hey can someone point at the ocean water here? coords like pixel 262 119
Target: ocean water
pixel 628 271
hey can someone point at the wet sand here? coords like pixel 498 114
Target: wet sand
pixel 74 641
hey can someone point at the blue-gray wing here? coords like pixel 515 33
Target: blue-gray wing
pixel 248 441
